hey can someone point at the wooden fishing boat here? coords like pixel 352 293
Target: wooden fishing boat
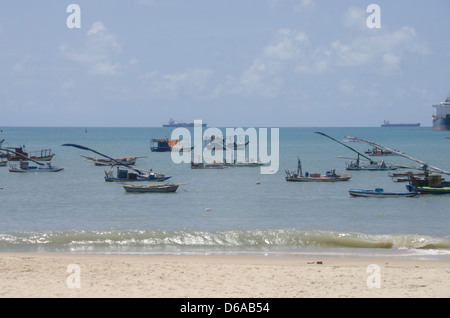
pixel 125 175
pixel 158 188
pixel 166 145
pixel 41 155
pixel 243 164
pixel 380 166
pixel 380 193
pixel 202 165
pixel 378 152
pixel 430 184
pixel 24 165
pixel 108 162
pixel 404 176
pixel 330 176
pixel 356 165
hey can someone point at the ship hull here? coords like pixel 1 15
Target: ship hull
pixel 442 123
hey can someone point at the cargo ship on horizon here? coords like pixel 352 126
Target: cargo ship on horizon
pixel 388 124
pixel 172 123
pixel 441 119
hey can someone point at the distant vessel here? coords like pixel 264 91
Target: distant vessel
pixel 441 119
pixel 386 123
pixel 172 123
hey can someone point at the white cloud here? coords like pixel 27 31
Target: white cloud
pixel 355 17
pixel 100 51
pixel 191 82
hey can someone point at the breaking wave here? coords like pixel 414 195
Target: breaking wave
pixel 114 241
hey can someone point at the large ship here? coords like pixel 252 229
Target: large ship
pixel 388 124
pixel 441 119
pixel 172 123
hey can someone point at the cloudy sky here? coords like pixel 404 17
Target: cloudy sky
pixel 246 63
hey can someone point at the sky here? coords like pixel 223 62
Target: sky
pixel 246 63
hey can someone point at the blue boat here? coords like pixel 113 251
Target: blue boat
pixel 380 193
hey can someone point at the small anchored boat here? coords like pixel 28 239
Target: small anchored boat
pixel 329 176
pixel 355 165
pixel 24 165
pixel 157 188
pixel 124 174
pixel 108 162
pixel 202 165
pixel 379 193
pixel 41 155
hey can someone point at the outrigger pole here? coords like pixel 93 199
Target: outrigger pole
pixel 359 154
pixel 118 162
pixel 425 166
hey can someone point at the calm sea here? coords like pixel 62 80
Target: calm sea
pixel 231 211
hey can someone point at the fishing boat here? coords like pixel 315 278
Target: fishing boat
pixel 24 166
pixel 3 163
pixel 166 145
pixel 404 176
pixel 108 162
pixel 356 165
pixel 202 165
pixel 244 164
pixel 124 174
pixel 41 155
pixel 329 176
pixel 431 183
pixel 158 188
pixel 378 152
pixel 218 143
pixel 374 166
pixel 380 193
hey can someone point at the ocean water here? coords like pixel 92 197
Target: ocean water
pixel 230 211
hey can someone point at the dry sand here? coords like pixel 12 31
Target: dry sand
pixel 41 275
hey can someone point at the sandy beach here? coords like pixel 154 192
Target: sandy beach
pixel 40 275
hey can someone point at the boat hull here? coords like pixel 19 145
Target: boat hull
pixel 429 190
pixel 379 193
pixel 166 188
pixel 35 169
pixel 149 179
pixel 319 179
pixel 441 123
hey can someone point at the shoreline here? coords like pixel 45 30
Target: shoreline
pixel 65 275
